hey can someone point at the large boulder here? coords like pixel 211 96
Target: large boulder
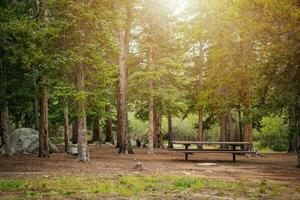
pixel 26 141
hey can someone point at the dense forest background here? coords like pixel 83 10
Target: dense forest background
pixel 151 70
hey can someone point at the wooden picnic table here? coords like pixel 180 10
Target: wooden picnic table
pixel 232 150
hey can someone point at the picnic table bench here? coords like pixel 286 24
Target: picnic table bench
pixel 232 148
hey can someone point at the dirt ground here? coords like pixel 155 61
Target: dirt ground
pixel 106 160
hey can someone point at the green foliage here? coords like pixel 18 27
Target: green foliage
pixel 273 134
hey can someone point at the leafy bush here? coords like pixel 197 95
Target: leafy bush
pixel 273 134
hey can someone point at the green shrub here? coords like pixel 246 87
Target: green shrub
pixel 273 134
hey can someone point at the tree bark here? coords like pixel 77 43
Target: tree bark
pixel 226 128
pixel 5 129
pixel 36 102
pixel 66 125
pixel 298 151
pixel 124 35
pixel 157 137
pixel 247 132
pixel 298 143
pixel 108 127
pixel 74 131
pixel 292 131
pixel 1 132
pixel 4 121
pixel 155 127
pixel 223 130
pixel 118 117
pixel 96 129
pixel 200 128
pixel 201 109
pixel 151 106
pixel 28 120
pixel 241 135
pixel 151 126
pixel 43 128
pixel 83 153
pixel 229 131
pixel 170 130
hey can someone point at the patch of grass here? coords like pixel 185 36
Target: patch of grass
pixel 6 185
pixel 136 186
pixel 184 183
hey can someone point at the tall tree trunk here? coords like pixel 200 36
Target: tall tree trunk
pixel 75 131
pixel 151 126
pixel 155 127
pixel 36 102
pixel 170 131
pixel 151 106
pixel 5 129
pixel 96 129
pixel 122 123
pixel 118 117
pixel 223 130
pixel 28 120
pixel 292 131
pixel 241 135
pixel 4 112
pixel 226 128
pixel 124 36
pixel 229 127
pixel 1 132
pixel 200 128
pixel 298 150
pixel 201 109
pixel 247 131
pixel 66 125
pixel 36 108
pixel 83 153
pixel 43 128
pixel 298 142
pixel 108 126
pixel 160 136
pixel 157 139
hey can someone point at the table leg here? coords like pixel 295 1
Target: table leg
pixel 233 155
pixel 186 154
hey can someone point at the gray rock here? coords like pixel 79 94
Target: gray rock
pixel 133 142
pixel 26 141
pixel 108 144
pixel 73 150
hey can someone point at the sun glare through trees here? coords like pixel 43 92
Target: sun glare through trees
pixel 149 99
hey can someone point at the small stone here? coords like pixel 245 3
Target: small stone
pixel 138 166
pixel 108 144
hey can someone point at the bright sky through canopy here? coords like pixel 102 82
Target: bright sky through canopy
pixel 177 5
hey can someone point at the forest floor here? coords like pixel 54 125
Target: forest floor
pixel 169 175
